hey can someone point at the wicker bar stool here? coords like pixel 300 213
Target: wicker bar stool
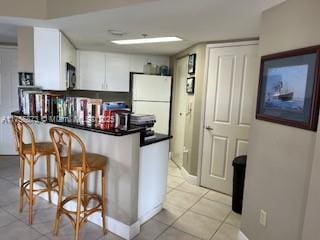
pixel 78 164
pixel 30 153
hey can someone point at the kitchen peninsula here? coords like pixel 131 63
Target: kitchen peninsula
pixel 136 173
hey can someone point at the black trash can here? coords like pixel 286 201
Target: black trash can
pixel 239 167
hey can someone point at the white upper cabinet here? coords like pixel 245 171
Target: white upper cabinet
pixel 52 50
pixel 117 72
pixel 104 71
pixel 92 70
pixel 100 71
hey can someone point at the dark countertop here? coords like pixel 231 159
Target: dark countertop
pixel 159 138
pixel 114 132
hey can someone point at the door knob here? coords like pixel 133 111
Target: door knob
pixel 209 128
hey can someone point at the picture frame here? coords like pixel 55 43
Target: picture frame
pixel 288 91
pixel 26 79
pixel 190 85
pixel 192 64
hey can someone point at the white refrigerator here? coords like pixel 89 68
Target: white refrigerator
pixel 151 95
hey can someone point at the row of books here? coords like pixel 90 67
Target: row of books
pixel 61 108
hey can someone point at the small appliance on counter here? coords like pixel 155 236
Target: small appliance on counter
pixel 147 122
pixel 110 112
pixel 122 119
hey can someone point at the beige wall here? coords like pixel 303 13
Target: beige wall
pixel 280 157
pixel 61 8
pixel 193 121
pixel 43 9
pixel 25 8
pixel 25 49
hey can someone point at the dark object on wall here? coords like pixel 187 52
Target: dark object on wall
pixel 190 85
pixel 26 79
pixel 192 64
pixel 71 76
pixel 239 173
pixel 289 88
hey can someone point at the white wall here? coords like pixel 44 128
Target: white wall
pixel 280 157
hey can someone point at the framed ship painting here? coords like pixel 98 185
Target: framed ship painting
pixel 289 88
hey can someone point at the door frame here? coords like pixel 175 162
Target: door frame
pixel 14 47
pixel 175 81
pixel 204 99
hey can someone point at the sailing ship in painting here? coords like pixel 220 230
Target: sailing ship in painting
pixel 282 93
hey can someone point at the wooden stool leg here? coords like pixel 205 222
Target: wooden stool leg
pixel 103 193
pixel 85 192
pixel 78 204
pixel 59 207
pixel 31 189
pixel 22 166
pixel 49 178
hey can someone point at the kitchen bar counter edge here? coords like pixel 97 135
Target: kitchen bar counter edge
pixel 159 137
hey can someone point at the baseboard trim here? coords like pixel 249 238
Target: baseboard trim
pixel 123 230
pixel 188 177
pixel 242 236
pixel 147 216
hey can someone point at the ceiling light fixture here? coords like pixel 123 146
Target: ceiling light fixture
pixel 147 40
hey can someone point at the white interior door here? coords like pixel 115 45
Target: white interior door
pixel 231 87
pixel 180 102
pixel 8 98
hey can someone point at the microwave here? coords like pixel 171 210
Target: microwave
pixel 71 76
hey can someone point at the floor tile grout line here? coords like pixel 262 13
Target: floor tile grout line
pixel 168 226
pixel 19 220
pixel 189 209
pixel 218 220
pixel 222 223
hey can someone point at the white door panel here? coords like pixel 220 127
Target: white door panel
pixel 8 98
pixel 231 86
pixel 151 88
pixel 160 109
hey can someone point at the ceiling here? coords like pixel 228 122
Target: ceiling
pixel 193 20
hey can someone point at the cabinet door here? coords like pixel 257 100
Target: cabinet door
pixel 117 72
pixel 92 70
pixel 137 63
pixel 68 55
pixel 47 58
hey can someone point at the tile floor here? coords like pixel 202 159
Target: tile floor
pixel 190 213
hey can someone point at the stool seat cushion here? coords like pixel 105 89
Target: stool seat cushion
pixel 95 161
pixel 41 147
